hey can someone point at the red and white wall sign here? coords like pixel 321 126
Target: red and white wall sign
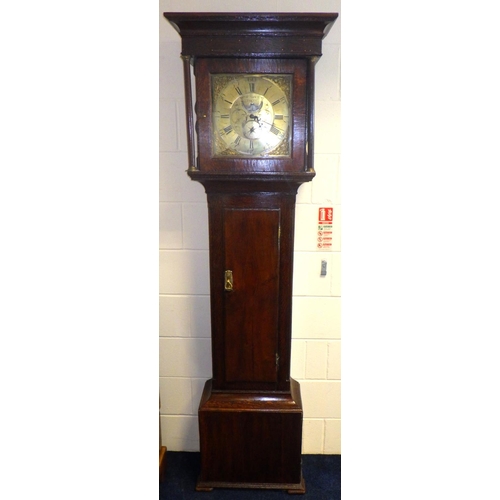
pixel 325 228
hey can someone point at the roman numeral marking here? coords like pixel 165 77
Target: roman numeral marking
pixel 276 130
pixel 277 102
pixel 228 129
pixel 238 90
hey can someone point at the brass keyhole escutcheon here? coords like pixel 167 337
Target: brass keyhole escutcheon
pixel 228 281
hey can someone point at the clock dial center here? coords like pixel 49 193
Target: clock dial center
pixel 251 116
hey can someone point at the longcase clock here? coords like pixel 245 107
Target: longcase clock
pixel 251 145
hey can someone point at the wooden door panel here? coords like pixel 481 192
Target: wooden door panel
pixel 251 309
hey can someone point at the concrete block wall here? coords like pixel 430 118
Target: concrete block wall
pixel 185 351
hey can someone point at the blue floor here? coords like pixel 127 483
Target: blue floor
pixel 321 473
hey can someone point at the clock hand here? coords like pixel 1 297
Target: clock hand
pixel 267 123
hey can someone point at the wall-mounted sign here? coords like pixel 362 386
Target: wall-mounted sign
pixel 325 228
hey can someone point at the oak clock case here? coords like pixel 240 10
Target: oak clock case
pixel 253 129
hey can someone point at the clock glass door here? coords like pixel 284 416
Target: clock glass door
pixel 251 298
pixel 251 114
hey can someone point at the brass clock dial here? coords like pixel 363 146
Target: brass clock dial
pixel 250 115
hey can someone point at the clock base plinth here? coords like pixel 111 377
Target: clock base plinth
pixel 251 439
pixel 297 489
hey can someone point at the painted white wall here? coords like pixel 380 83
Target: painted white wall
pixel 185 354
